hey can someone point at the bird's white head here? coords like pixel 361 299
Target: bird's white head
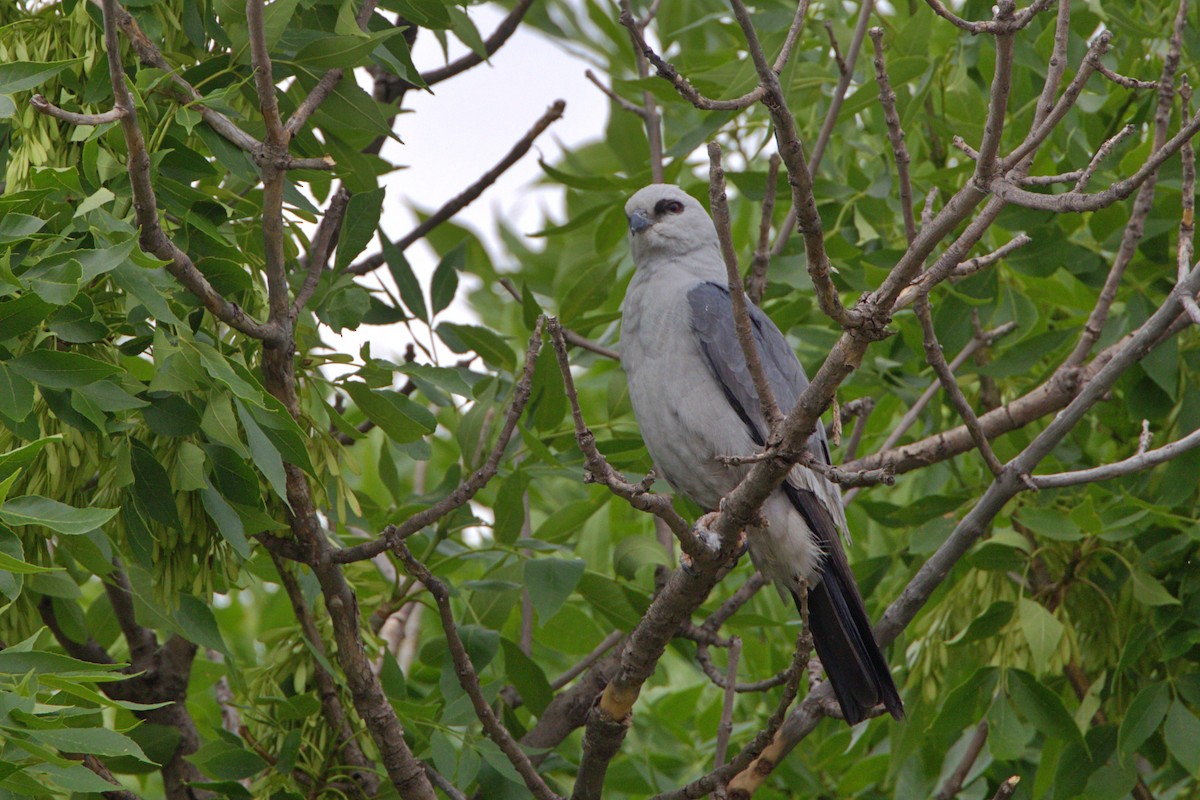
pixel 664 220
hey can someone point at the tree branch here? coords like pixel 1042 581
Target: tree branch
pixel 464 198
pixel 756 283
pixel 395 534
pixel 152 238
pixel 887 98
pixel 469 680
pixel 1143 460
pixel 503 31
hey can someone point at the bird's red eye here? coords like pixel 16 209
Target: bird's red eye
pixel 674 207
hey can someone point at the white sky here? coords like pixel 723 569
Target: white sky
pixel 470 123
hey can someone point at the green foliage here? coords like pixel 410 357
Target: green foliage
pixel 136 430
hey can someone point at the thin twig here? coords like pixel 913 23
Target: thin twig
pixel 394 534
pixel 1009 25
pixel 954 783
pixel 1104 152
pixel 465 197
pixel 725 726
pixel 1121 80
pixel 321 247
pixel 585 663
pixel 152 237
pixel 469 680
pixel 650 116
pixel 937 359
pixel 836 49
pixel 1187 216
pixel 598 470
pixel 887 98
pixel 491 44
pixel 1136 225
pixel 664 69
pixel 1142 460
pixel 627 105
pixel 571 336
pixel 44 106
pixel 791 151
pixel 756 283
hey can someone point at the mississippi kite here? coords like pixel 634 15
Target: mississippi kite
pixel 695 403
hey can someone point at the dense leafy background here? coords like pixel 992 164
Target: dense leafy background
pixel 136 427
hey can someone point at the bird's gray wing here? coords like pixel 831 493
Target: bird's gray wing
pixel 712 323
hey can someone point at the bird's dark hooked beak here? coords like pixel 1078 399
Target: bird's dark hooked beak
pixel 639 221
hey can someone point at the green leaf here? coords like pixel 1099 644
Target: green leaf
pixel 986 625
pixel 1042 707
pixel 490 346
pixel 550 582
pixel 634 552
pixel 20 662
pixel 406 280
pixel 14 226
pixel 1143 717
pixel 23 456
pixel 445 277
pixel 229 524
pixel 1050 523
pixel 362 219
pixel 152 486
pixel 57 369
pixel 8 107
pixel 1041 630
pixel 58 517
pixel 20 76
pixel 466 31
pixel 1147 590
pixel 197 619
pixel 266 457
pixel 96 741
pixel 528 677
pixel 509 508
pixel 400 418
pixel 1182 734
pixel 341 52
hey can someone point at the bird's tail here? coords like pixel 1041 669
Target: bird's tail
pixel 852 659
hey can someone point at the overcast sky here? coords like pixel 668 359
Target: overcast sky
pixel 454 136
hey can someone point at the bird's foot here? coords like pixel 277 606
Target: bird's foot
pixel 708 539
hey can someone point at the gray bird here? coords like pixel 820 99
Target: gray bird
pixel 695 403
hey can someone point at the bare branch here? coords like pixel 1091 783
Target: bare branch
pixel 598 470
pixel 44 106
pixel 1136 225
pixel 887 98
pixel 260 59
pixel 973 265
pixel 395 534
pixel 910 416
pixel 664 69
pixel 954 783
pixel 737 295
pixel 937 360
pixel 321 247
pixel 1121 80
pixel 1101 154
pixel 846 74
pixel 993 126
pixel 1187 217
pixel 571 336
pixel 1142 460
pixel 585 663
pixel 753 749
pixel 725 726
pixel 469 680
pixel 836 49
pixel 649 114
pixel 791 151
pixel 756 283
pixel 999 26
pixel 632 108
pixel 1008 788
pixel 491 44
pixel 97 766
pixel 464 198
pixel 326 84
pixel 152 238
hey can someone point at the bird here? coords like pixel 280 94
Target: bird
pixel 696 406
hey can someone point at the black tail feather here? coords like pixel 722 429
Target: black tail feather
pixel 848 651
